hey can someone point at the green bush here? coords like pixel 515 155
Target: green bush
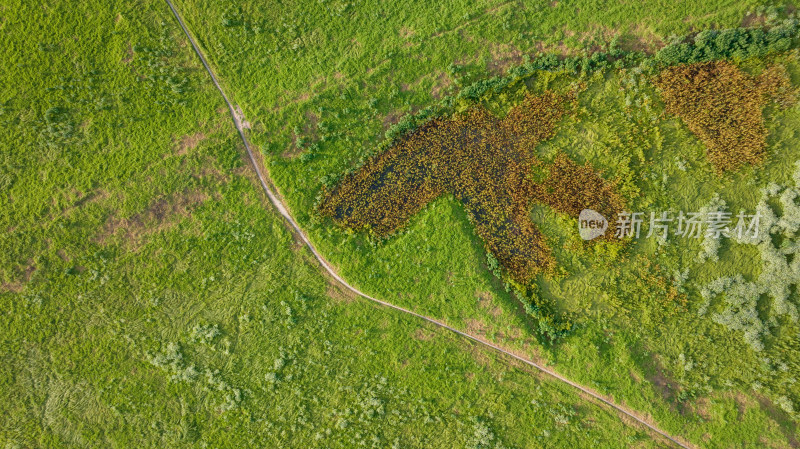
pixel 736 44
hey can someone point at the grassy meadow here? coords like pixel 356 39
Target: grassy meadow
pixel 322 82
pixel 150 296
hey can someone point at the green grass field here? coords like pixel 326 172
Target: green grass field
pixel 152 297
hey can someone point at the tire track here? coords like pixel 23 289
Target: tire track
pixel 279 205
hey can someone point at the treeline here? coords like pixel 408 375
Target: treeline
pixel 736 44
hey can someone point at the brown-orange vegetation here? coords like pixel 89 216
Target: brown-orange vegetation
pixel 485 163
pixel 723 106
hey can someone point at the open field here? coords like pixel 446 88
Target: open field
pixel 151 296
pixel 638 318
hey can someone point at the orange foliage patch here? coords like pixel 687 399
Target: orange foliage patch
pixel 723 106
pixel 485 163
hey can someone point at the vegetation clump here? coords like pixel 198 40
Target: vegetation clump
pixel 486 163
pixel 723 106
pixel 733 43
pixel 776 241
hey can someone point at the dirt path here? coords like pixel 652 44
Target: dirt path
pixel 269 189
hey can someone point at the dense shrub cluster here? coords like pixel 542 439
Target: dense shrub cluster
pixel 545 321
pixel 486 163
pixel 733 43
pixel 722 105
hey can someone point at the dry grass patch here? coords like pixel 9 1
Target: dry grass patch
pixel 424 334
pixel 723 106
pixel 160 215
pixel 503 57
pixel 24 277
pixel 189 142
pixel 441 85
pixel 339 294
